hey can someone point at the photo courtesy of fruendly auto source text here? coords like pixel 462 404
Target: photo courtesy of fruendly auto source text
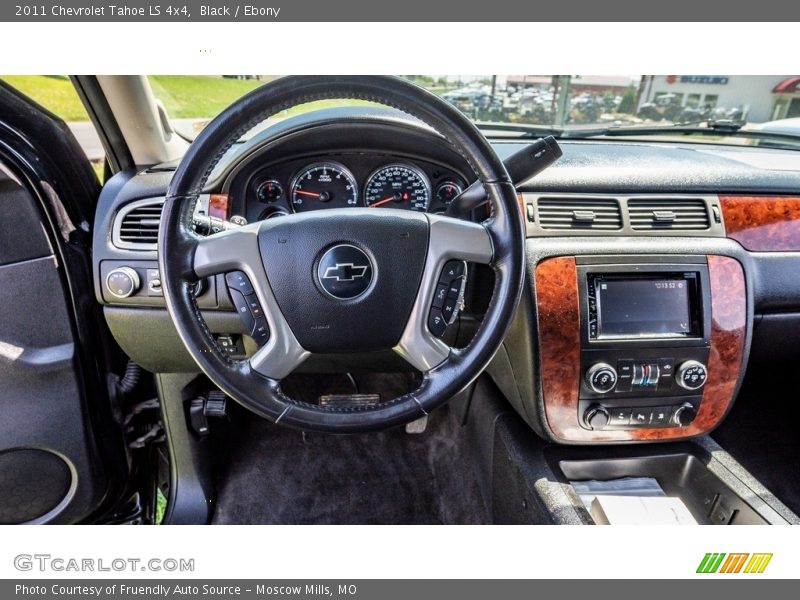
pixel 280 320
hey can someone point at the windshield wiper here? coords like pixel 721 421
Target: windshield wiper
pixel 539 131
pixel 712 128
pixel 719 128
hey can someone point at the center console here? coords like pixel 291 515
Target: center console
pixel 638 348
pixel 645 339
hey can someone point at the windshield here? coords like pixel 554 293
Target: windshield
pixel 581 105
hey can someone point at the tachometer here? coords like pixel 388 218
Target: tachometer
pixel 398 186
pixel 324 185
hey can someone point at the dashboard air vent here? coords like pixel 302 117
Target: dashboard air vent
pixel 136 225
pixel 602 214
pixel 668 213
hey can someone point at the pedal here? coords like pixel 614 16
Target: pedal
pixel 349 400
pixel 418 426
pixel 202 408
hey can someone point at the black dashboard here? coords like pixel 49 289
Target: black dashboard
pixel 341 158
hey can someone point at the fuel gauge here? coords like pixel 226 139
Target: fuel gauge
pixel 447 191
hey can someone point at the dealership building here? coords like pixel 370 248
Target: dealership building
pixel 762 97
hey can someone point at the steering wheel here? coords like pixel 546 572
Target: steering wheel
pixel 339 281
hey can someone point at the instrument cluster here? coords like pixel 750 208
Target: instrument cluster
pixel 345 181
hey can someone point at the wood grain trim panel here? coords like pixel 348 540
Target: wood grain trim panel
pixel 219 206
pixel 763 223
pixel 558 315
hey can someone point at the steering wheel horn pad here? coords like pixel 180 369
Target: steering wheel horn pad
pixel 394 246
pixel 311 309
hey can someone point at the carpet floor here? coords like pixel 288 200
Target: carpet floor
pixel 276 475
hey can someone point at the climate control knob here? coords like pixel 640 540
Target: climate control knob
pixel 596 417
pixel 684 415
pixel 123 282
pixel 601 378
pixel 691 375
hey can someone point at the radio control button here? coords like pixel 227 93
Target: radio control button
pixel 684 415
pixel 619 417
pixel 238 280
pixel 640 417
pixel 691 375
pixel 596 417
pixel 601 378
pixel 661 416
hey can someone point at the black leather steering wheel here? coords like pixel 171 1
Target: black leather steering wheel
pixel 402 252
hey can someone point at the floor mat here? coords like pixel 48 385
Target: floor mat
pixel 279 475
pixel 761 433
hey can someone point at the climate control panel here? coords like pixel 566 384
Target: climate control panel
pixel 632 388
pixel 630 376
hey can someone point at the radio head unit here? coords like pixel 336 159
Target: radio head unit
pixel 644 306
pixel 645 343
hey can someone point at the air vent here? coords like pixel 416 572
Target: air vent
pixel 136 225
pixel 650 214
pixel 601 214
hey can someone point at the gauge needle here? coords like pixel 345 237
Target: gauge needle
pixel 382 202
pixel 304 193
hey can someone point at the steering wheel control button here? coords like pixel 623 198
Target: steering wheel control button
pixel 123 282
pixel 453 269
pixel 449 309
pixel 601 378
pixel 243 308
pixel 437 323
pixel 261 331
pixel 254 306
pixel 345 272
pixel 439 296
pixel 691 375
pixel 239 281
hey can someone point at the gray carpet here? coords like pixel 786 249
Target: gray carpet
pixel 279 475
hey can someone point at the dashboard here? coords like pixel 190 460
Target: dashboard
pixel 656 271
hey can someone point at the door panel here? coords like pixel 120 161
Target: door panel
pixel 40 397
pixel 61 453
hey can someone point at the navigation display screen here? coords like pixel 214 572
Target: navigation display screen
pixel 644 307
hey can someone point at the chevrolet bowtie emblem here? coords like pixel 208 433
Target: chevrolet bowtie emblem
pixel 345 272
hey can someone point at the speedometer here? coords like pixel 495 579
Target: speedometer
pixel 323 185
pixel 398 186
